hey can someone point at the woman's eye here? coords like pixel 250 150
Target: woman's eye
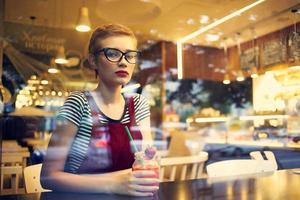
pixel 113 54
pixel 131 55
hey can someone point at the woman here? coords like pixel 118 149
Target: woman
pixel 89 151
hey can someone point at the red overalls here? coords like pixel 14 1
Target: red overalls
pixel 109 148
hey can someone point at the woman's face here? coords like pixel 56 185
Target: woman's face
pixel 115 72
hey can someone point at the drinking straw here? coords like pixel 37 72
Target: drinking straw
pixel 131 139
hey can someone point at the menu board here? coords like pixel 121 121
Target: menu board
pixel 294 46
pixel 274 52
pixel 249 58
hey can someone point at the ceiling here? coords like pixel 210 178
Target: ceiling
pixel 161 19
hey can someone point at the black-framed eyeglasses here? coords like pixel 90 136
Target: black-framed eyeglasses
pixel 116 55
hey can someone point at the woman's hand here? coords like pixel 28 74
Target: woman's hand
pixel 137 183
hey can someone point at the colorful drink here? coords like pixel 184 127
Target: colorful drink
pixel 143 162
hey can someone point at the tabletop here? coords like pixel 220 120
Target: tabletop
pixel 281 185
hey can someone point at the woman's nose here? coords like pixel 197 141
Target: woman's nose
pixel 123 62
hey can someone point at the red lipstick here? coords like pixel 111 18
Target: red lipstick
pixel 122 73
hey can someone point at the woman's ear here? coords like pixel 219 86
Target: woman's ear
pixel 92 61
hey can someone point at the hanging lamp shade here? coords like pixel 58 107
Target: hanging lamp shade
pixel 83 24
pixel 53 69
pixel 61 56
pixel 254 73
pixel 226 80
pixel 240 76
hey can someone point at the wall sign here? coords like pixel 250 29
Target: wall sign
pixel 249 58
pixel 44 40
pixel 294 46
pixel 274 52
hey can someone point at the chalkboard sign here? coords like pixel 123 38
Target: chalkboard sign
pixel 294 46
pixel 249 58
pixel 274 52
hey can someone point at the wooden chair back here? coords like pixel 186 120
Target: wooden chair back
pixel 195 163
pixel 32 179
pixel 11 180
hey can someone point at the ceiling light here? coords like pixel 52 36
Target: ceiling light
pixel 153 31
pixel 226 80
pixel 254 73
pixel 220 21
pixel 53 69
pixel 240 76
pixel 61 57
pixel 206 28
pixel 83 24
pixel 44 82
pixel 212 37
pixel 204 19
pixel 252 17
pixel 190 21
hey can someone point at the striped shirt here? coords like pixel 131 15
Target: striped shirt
pixel 77 110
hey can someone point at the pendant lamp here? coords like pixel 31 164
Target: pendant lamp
pixel 53 69
pixel 240 76
pixel 226 80
pixel 83 24
pixel 61 56
pixel 254 72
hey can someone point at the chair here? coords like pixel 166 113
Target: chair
pixel 239 167
pixel 32 179
pixel 196 162
pixel 256 155
pixel 162 153
pixel 13 160
pixel 11 177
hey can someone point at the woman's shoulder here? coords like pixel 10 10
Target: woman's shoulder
pixel 77 100
pixel 78 96
pixel 75 106
pixel 140 102
pixel 136 97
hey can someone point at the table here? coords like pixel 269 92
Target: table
pixel 281 185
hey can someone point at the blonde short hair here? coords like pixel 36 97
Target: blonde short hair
pixel 106 31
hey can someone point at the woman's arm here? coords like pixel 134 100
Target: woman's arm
pixel 53 176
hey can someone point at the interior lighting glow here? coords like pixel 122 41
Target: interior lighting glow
pixel 53 70
pixel 263 117
pixel 83 24
pixel 211 119
pixel 44 82
pixel 206 28
pixel 212 37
